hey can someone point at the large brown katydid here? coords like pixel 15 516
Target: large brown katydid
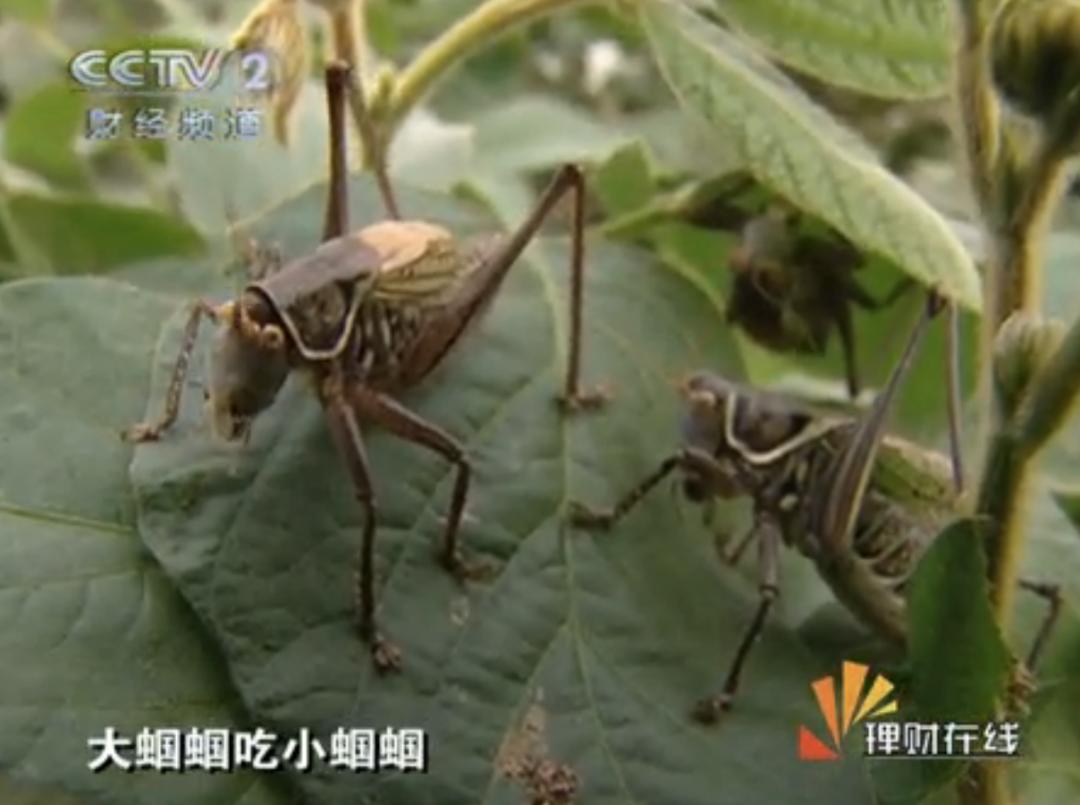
pixel 860 504
pixel 368 314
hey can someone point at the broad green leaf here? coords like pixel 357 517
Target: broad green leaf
pixel 959 662
pixel 795 148
pixel 40 134
pixel 94 634
pixel 601 643
pixel 532 132
pixel 958 658
pixel 625 182
pixel 225 180
pixel 879 47
pixel 430 153
pixel 81 236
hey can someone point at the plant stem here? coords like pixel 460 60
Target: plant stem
pixel 977 105
pixel 346 30
pixel 1053 394
pixel 1015 273
pixel 980 125
pixel 488 21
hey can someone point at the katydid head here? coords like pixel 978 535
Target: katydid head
pixel 706 396
pixel 248 365
pixel 740 430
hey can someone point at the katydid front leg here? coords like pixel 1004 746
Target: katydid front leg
pixel 603 519
pixel 151 431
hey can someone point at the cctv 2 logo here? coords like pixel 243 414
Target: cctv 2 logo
pixel 161 70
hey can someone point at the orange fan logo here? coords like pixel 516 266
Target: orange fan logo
pixel 854 710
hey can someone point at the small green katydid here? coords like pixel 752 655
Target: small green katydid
pixel 860 504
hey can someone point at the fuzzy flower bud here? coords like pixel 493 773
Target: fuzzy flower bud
pixel 1022 348
pixel 274 26
pixel 1035 62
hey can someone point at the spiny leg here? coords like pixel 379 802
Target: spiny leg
pixel 585 517
pixel 151 431
pixel 573 397
pixel 568 178
pixel 336 222
pixel 346 434
pixel 837 506
pixel 405 424
pixel 708 710
pixel 687 458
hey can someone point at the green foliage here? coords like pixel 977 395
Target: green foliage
pixel 40 135
pixel 958 659
pixel 882 48
pixel 191 584
pixel 959 662
pixel 794 147
pixel 95 634
pixel 82 236
pixel 35 11
pixel 1069 501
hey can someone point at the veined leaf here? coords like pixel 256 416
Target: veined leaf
pixel 888 48
pixel 82 235
pixel 797 149
pixel 94 635
pixel 601 643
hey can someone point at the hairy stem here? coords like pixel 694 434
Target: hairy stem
pixel 977 105
pixel 489 20
pixel 1053 394
pixel 980 129
pixel 346 30
pixel 1014 281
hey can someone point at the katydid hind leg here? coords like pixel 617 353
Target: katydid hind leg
pixel 568 179
pixel 767 532
pixel 336 222
pixel 151 431
pixel 848 474
pixel 406 425
pixel 573 397
pixel 345 432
